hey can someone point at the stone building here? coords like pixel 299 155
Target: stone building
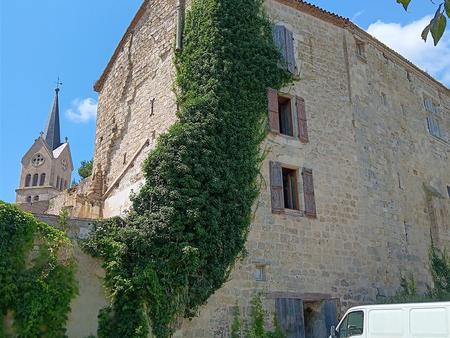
pixel 46 167
pixel 356 183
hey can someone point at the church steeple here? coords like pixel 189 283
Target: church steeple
pixel 52 132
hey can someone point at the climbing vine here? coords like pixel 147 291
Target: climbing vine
pixel 37 275
pixel 189 222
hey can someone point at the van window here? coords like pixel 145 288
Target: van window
pixel 353 325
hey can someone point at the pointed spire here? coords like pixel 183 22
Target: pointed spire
pixel 52 132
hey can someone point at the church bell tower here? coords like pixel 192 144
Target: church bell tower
pixel 47 165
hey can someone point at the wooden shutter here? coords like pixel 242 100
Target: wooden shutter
pixel 276 186
pixel 290 52
pixel 279 37
pixel 301 118
pixel 329 310
pixel 289 313
pixel 274 114
pixel 308 191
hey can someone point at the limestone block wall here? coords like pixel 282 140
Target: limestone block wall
pixel 136 101
pixel 373 160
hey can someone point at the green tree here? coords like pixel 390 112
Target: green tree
pixel 85 169
pixel 438 24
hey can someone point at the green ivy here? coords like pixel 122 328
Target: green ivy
pixel 189 222
pixel 257 323
pixel 37 274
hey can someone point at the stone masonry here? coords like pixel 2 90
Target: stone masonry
pixel 380 177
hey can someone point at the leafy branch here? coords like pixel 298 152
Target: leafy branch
pixel 438 24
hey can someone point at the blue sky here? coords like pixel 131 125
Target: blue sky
pixel 41 40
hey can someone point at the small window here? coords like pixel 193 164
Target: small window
pixel 57 182
pixel 125 158
pixel 36 198
pixel 290 189
pixel 448 190
pixel 360 49
pixel 35 179
pixel 353 325
pixel 260 273
pixel 42 180
pixel 28 199
pixel 285 116
pixel 383 99
pixel 28 180
pixel 65 184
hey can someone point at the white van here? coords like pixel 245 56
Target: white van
pixel 416 320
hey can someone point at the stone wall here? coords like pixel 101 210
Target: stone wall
pixel 136 102
pixel 91 297
pixel 380 178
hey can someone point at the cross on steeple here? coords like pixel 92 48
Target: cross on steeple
pixel 58 83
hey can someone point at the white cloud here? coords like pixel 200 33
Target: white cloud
pixel 407 41
pixel 82 111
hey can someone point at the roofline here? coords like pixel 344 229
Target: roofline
pixel 347 24
pixel 302 6
pixel 98 85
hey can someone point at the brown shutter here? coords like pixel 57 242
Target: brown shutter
pixel 301 118
pixel 308 191
pixel 274 114
pixel 276 186
pixel 290 53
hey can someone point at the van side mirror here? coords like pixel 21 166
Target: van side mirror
pixel 333 332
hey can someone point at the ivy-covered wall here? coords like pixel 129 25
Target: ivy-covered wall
pixel 37 273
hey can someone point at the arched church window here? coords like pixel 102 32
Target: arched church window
pixel 28 199
pixel 35 179
pixel 28 180
pixel 42 181
pixel 57 182
pixel 36 198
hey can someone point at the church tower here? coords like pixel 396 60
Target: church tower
pixel 46 167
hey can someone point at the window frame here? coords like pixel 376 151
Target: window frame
pixel 262 277
pixel 360 48
pixel 287 102
pixel 293 197
pixel 346 320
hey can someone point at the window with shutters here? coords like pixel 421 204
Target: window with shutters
pixel 284 188
pixel 284 41
pixel 281 116
pixel 434 118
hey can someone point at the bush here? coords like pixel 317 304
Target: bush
pixel 37 284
